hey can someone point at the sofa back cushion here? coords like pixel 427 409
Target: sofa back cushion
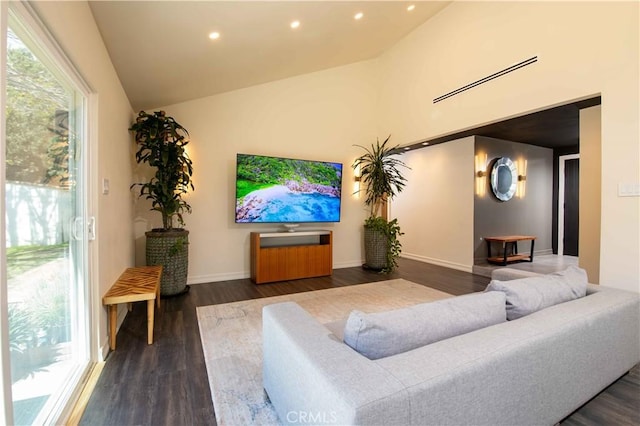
pixel 528 295
pixel 383 334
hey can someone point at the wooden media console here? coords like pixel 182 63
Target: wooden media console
pixel 281 256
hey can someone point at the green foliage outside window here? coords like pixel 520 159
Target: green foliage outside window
pixel 37 146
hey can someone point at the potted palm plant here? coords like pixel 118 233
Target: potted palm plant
pixel 380 173
pixel 161 143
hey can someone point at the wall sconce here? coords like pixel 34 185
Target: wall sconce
pixel 356 184
pixel 522 178
pixel 481 174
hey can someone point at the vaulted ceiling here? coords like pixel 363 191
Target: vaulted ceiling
pixel 163 54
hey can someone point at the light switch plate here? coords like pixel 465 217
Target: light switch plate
pixel 629 190
pixel 105 186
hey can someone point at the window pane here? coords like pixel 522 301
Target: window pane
pixel 46 301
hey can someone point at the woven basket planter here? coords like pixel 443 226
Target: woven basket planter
pixel 171 250
pixel 375 249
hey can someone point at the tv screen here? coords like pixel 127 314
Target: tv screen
pixel 285 190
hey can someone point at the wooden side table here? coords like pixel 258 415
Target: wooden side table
pixel 509 255
pixel 134 285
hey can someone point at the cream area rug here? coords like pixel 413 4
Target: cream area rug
pixel 231 336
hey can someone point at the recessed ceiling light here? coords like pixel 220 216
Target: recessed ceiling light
pixel 358 15
pixel 407 148
pixel 295 24
pixel 411 7
pixel 214 35
pixel 425 143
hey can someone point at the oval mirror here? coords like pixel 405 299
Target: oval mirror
pixel 504 179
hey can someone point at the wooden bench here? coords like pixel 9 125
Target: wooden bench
pixel 509 255
pixel 134 285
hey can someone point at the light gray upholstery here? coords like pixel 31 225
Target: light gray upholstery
pixel 382 334
pixel 532 371
pixel 308 372
pixel 505 274
pixel 527 295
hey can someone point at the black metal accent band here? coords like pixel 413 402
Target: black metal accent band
pixel 488 78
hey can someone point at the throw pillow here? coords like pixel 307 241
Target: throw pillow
pixel 383 334
pixel 528 295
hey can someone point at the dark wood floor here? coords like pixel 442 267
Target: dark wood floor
pixel 166 383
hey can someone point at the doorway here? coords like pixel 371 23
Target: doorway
pixel 44 280
pixel 568 204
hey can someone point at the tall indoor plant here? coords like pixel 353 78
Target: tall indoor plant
pixel 382 179
pixel 161 143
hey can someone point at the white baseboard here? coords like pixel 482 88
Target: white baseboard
pixel 439 262
pixel 545 252
pixel 348 264
pixel 536 253
pixel 104 350
pixel 213 278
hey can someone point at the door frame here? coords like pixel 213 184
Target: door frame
pixel 56 54
pixel 561 166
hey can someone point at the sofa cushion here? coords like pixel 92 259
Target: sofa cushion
pixel 528 295
pixel 382 334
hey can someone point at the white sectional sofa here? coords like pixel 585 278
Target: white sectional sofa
pixel 534 370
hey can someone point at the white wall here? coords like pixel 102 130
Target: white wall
pixel 583 49
pixel 316 116
pixel 435 210
pixel 72 25
pixel 321 115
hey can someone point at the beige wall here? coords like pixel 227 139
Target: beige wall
pixel 321 115
pixel 435 210
pixel 317 116
pixel 73 27
pixel 590 190
pixel 583 49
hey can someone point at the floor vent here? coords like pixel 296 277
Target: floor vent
pixel 486 79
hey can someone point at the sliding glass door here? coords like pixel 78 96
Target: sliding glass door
pixel 46 228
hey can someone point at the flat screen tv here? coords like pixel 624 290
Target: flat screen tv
pixel 287 191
